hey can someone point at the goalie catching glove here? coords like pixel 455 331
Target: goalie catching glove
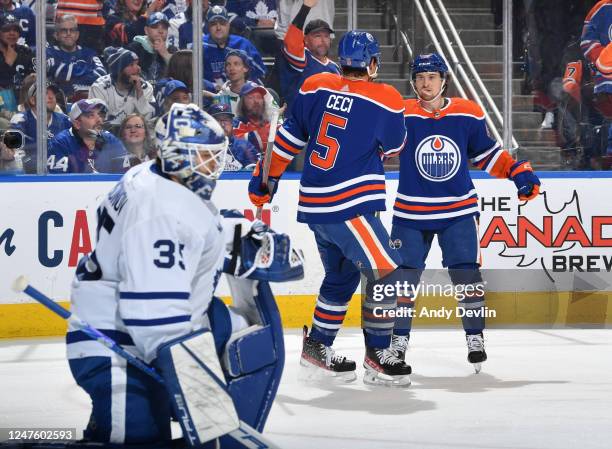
pixel 258 193
pixel 526 181
pixel 262 254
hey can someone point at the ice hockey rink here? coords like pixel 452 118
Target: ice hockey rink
pixel 540 389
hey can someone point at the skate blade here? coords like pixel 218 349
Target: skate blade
pixel 477 367
pixel 311 373
pixel 371 377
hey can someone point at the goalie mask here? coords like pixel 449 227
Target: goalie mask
pixel 192 147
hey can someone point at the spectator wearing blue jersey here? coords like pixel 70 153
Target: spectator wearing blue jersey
pixel 26 18
pixel 152 50
pixel 255 13
pixel 85 147
pixel 306 51
pixel 219 42
pixel 241 154
pixel 71 67
pixel 16 61
pixel 183 25
pixel 26 123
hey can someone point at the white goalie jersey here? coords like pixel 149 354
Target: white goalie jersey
pixel 153 272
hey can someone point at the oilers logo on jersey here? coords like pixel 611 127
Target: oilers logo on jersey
pixel 437 158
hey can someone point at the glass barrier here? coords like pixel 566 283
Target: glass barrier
pixel 137 58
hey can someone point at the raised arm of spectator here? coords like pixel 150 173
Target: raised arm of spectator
pixel 293 45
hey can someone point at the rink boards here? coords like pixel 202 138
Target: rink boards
pixel 47 223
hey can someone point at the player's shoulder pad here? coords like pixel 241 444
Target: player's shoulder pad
pixel 596 8
pixel 320 80
pixel 411 106
pixel 465 107
pixel 386 95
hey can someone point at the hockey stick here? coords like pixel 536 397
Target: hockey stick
pixel 268 156
pixel 245 434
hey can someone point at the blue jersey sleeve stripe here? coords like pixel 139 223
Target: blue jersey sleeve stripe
pixel 158 321
pixel 154 295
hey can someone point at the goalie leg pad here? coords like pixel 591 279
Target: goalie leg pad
pixel 196 386
pixel 254 359
pixel 128 407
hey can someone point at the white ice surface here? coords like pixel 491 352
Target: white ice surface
pixel 540 389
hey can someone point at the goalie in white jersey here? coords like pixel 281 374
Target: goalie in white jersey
pixel 149 285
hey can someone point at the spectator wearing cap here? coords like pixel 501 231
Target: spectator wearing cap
pixel 306 52
pixel 237 74
pixel 241 154
pixel 136 137
pixel 182 26
pixel 253 123
pixel 16 61
pixel 71 67
pixel 219 42
pixel 26 18
pixel 85 147
pixel 170 91
pixel 129 20
pixel 123 90
pixel 26 122
pixel 152 50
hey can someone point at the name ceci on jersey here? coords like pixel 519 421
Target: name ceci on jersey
pixel 117 197
pixel 339 103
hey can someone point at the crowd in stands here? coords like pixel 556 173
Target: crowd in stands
pixel 115 66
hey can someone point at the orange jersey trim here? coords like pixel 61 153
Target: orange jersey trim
pixel 373 248
pixel 343 195
pixel 456 106
pixel 328 316
pixel 434 208
pixel 383 94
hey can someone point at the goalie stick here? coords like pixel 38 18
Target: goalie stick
pixel 245 434
pixel 268 155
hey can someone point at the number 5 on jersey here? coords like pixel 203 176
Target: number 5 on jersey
pixel 327 160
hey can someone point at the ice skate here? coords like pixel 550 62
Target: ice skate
pixel 383 367
pixel 399 344
pixel 320 362
pixel 476 351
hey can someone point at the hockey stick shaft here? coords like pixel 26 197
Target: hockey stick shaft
pixel 268 156
pixel 21 285
pixel 245 434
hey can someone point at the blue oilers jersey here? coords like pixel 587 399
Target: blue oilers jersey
pixel 346 128
pixel 299 64
pixel 435 186
pixel 68 154
pixel 596 34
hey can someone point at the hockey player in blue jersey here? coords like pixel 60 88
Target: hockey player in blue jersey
pixel 436 196
pixel 346 124
pixel 149 285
